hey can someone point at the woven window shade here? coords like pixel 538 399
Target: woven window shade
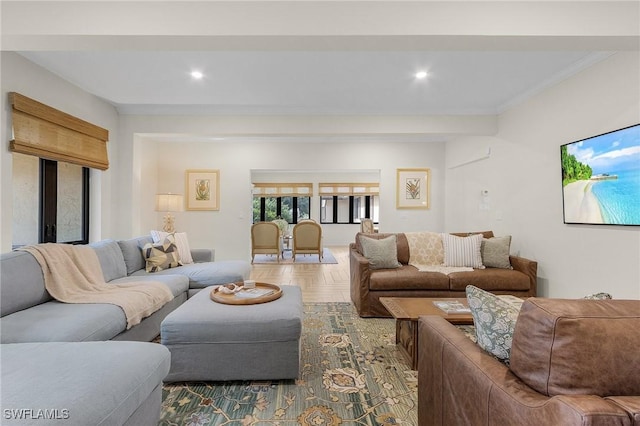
pixel 330 189
pixel 282 190
pixel 49 133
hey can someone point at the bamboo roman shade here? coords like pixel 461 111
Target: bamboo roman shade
pixel 330 189
pixel 283 190
pixel 49 133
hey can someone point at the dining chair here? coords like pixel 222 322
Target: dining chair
pixel 307 239
pixel 266 239
pixel 366 226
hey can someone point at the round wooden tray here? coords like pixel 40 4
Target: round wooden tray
pixel 234 299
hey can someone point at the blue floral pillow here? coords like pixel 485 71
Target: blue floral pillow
pixel 494 320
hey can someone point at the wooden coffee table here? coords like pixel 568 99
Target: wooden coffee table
pixel 406 311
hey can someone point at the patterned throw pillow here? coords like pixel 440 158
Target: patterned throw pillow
pixel 495 252
pixel 181 241
pixel 382 253
pixel 495 321
pixel 598 296
pixel 462 251
pixel 161 256
pixel 426 248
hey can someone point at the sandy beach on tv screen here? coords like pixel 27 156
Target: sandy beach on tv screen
pixel 580 205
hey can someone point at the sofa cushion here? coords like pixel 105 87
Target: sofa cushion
pixel 178 284
pixel 64 322
pixel 407 278
pixel 21 282
pixel 132 253
pixel 494 320
pixel 162 255
pixel 111 259
pixel 490 279
pixel 97 383
pixel 202 275
pixel 381 253
pixel 581 346
pixel 462 251
pixel 495 252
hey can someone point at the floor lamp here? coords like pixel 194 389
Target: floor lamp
pixel 169 203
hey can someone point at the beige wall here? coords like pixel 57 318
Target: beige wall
pixel 524 181
pixel 522 173
pixel 19 75
pixel 227 230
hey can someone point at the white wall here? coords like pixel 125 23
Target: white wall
pixel 524 181
pixel 26 78
pixel 228 230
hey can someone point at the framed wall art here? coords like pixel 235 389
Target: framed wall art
pixel 412 191
pixel 203 189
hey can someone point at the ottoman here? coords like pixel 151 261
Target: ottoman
pixel 211 341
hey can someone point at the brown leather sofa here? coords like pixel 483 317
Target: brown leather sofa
pixel 369 285
pixel 573 362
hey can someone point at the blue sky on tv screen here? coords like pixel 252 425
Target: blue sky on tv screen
pixel 610 153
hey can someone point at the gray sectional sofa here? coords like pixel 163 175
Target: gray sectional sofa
pixel 59 356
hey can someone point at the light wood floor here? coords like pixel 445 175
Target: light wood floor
pixel 319 282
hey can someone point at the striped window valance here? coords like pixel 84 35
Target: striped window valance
pixel 330 189
pixel 282 189
pixel 51 134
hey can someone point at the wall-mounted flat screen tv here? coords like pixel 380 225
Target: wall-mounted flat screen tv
pixel 601 178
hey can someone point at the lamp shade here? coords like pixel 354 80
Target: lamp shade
pixel 169 203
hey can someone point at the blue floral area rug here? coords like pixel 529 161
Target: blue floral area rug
pixel 351 374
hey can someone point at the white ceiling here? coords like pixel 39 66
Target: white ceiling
pixel 326 66
pixel 313 82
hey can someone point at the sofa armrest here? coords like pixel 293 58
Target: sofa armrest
pixel 202 255
pixel 359 281
pixel 459 383
pixel 530 269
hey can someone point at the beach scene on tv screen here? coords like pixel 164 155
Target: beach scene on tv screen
pixel 601 178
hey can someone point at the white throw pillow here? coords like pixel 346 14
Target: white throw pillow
pixel 181 242
pixel 462 251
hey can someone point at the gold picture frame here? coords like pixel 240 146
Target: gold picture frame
pixel 202 189
pixel 413 188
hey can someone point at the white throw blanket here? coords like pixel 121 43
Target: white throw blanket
pixel 72 274
pixel 426 253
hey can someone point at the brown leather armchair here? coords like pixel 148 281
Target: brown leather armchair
pixel 573 362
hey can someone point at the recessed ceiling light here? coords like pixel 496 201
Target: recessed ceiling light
pixel 197 75
pixel 420 75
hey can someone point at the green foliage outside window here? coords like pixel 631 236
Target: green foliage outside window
pixel 286 209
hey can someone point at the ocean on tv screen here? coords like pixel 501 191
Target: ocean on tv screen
pixel 601 178
pixel 618 198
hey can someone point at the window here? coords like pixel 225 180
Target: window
pixel 289 201
pixel 50 201
pixel 348 209
pixel 291 209
pixel 348 202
